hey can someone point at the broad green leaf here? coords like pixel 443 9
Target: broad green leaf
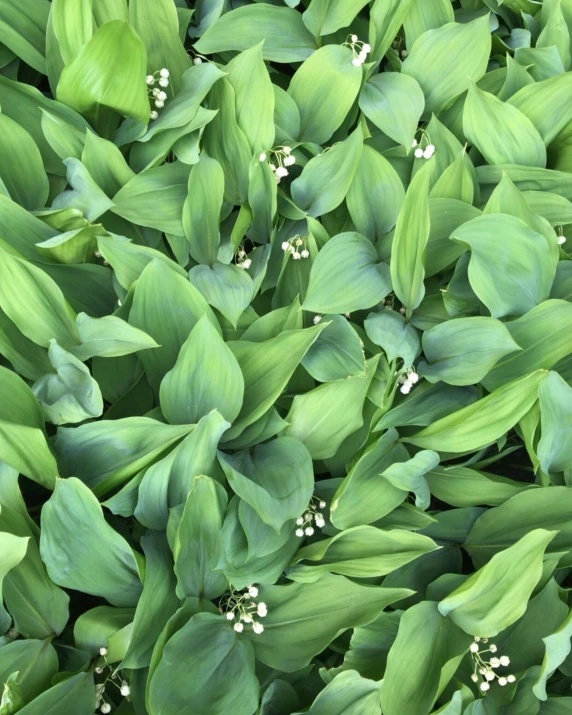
pixel 282 29
pixel 376 184
pixel 303 618
pixel 106 164
pixel 35 661
pixel 323 418
pixel 197 543
pixel 426 16
pixel 409 476
pixel 500 131
pixel 423 658
pixel 463 351
pixel 386 18
pixel 73 26
pixel 552 94
pixel 21 166
pixel 521 276
pixel 389 330
pixel 456 182
pixel 483 422
pixel 267 367
pixel 107 453
pixel 347 276
pixel 23 30
pixel 77 692
pixel 109 336
pixel 348 693
pixel 202 207
pixel 361 552
pixel 555 32
pixel 84 195
pixel 167 307
pixel 558 646
pixel 227 288
pixel 337 353
pixel 440 63
pixel 107 73
pixel 276 479
pixel 68 394
pixel 497 595
pixel 324 17
pixel 410 241
pixel 12 550
pixel 205 377
pixel 326 179
pixel 554 449
pixel 81 551
pixel 324 88
pixel 394 102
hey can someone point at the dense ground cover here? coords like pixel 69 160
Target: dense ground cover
pixel 286 357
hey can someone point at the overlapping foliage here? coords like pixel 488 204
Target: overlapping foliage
pixel 286 345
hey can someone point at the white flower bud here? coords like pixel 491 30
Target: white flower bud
pixel 356 62
pixel 561 240
pixel 485 686
pixel 253 591
pixel 300 532
pixel 493 648
pixel 296 256
pixel 290 160
pixel 490 675
pixel 300 520
pixel 246 618
pixel 154 115
pixel 164 82
pixel 317 319
pixel 367 48
pixel 150 79
pixel 405 389
pixel 414 144
pixel 427 154
pixel 404 54
pixel 159 104
pixel 103 650
pixel 413 378
pixel 164 73
pixel 309 531
pixel 262 157
pixel 162 96
pixel 262 610
pixel 197 61
pixel 510 678
pixel 246 264
pixel 99 670
pixel 419 153
pixel 287 150
pixel 238 627
pixel 474 648
pixel 281 172
pixel 156 91
pixel 299 242
pixel 320 522
pixel 504 660
pixel 362 56
pixel 305 253
pixel 230 615
pixel 503 681
pixel 322 505
pixel 475 678
pixel 257 627
pixel 354 38
pixel 124 689
pixel 105 708
pixel 495 663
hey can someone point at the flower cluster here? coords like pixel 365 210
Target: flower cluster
pixel 421 153
pixel 486 668
pixel 407 381
pixel 157 94
pixel 297 247
pixel 279 158
pixel 242 259
pixel 310 516
pixel 111 677
pixel 241 608
pixel 360 50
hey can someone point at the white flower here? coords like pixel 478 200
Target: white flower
pixel 492 647
pixel 475 678
pixel 287 150
pixel 309 531
pixel 305 253
pixel 154 115
pixel 413 378
pixel 150 79
pixel 159 104
pixel 300 520
pixel 296 255
pixel 356 62
pixel 483 671
pixel 246 264
pixel 503 681
pixel 281 172
pixel 317 319
pixel 320 522
pixel 257 627
pixel 238 627
pixel 504 660
pixel 299 242
pixel 495 663
pixel 253 591
pixel 103 651
pixel 105 708
pixel 490 675
pixel 229 616
pixel 197 61
pixel 290 160
pixel 354 38
pixel 322 505
pixel 510 678
pixel 427 154
pixel 367 48
pixel 124 689
pixel 419 153
pixel 405 389
pixel 404 54
pixel 164 82
pixel 262 157
pixel 161 96
pixel 485 686
pixel 362 56
pixel 262 610
pixel 561 240
pixel 414 144
pixel 164 73
pixel 300 532
pixel 474 648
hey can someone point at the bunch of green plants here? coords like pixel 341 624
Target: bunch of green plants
pixel 286 357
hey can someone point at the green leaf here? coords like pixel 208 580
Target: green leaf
pixel 410 241
pixel 114 63
pixel 440 63
pixel 337 353
pixel 346 276
pixel 554 449
pixel 202 207
pixel 205 377
pixel 394 102
pixel 227 288
pixel 558 646
pixel 497 595
pixel 81 551
pixel 222 667
pixel 35 661
pixel 197 544
pixel 322 418
pixel 77 692
pixel 389 330
pixel 554 95
pixel 324 88
pixel 410 476
pixel 500 132
pixel 463 351
pixel 69 394
pixel 347 693
pixel 21 166
pixel 386 18
pixel 109 337
pixel 326 179
pixel 23 30
pixel 13 549
pixel 303 618
pixel 285 36
pixel 483 422
pixel 73 26
pixel 324 17
pixel 361 552
pixel 426 16
pixel 522 274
